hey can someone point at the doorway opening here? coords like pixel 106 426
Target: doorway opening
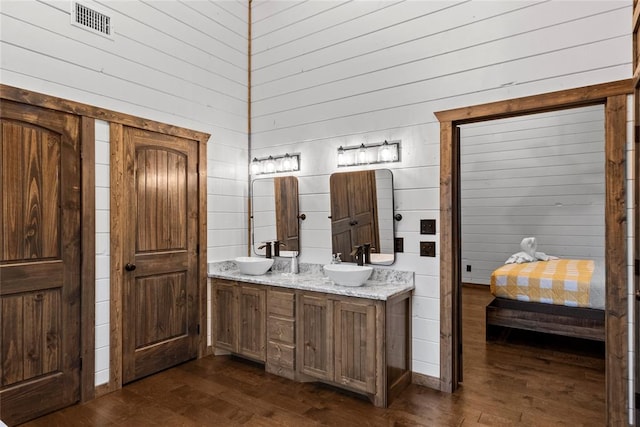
pixel 614 98
pixel 538 176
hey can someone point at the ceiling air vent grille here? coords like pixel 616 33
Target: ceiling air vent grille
pixel 92 19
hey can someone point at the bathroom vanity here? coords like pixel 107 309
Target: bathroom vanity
pixel 306 328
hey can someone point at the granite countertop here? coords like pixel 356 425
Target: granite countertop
pixel 382 284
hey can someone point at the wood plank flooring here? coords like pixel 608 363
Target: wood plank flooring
pixel 507 382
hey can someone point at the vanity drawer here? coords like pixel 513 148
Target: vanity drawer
pixel 280 330
pixel 280 354
pixel 281 303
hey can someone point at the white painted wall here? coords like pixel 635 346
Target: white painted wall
pixel 103 246
pixel 182 63
pixel 326 74
pixel 540 175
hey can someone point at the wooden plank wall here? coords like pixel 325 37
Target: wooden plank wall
pixel 182 63
pixel 326 74
pixel 540 175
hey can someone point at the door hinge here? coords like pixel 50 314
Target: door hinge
pixel 636 267
pixel 198 248
pixel 81 363
pixel 198 329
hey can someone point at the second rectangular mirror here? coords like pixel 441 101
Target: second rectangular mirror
pixel 362 213
pixel 274 213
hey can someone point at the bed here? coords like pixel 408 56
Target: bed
pixel 562 296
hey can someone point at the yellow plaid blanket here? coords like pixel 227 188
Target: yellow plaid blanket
pixel 561 282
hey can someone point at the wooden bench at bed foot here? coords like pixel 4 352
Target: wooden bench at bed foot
pixel 577 322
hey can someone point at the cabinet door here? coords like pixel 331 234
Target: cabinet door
pixel 225 315
pixel 252 309
pixel 355 345
pixel 315 336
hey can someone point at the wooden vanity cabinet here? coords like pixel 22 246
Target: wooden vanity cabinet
pixel 240 318
pixel 360 344
pixel 363 345
pixel 337 340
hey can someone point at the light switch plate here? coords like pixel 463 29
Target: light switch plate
pixel 427 226
pixel 428 249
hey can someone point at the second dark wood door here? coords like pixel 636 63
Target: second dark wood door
pixel 287 222
pixel 160 301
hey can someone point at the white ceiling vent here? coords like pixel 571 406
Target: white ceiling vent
pixel 91 20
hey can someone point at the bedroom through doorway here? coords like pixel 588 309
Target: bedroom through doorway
pixel 613 96
pixel 539 177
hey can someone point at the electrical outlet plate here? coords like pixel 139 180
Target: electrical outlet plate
pixel 399 244
pixel 428 249
pixel 427 226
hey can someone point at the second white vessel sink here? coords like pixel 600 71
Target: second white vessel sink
pixel 348 274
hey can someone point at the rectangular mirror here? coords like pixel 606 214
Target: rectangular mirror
pixel 362 212
pixel 274 214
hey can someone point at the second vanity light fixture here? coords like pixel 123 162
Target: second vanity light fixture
pixel 368 154
pixel 275 164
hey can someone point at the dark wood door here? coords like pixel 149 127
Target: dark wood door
pixel 39 261
pixel 354 218
pixel 160 301
pixel 287 223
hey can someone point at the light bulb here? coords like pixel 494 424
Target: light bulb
pixel 362 154
pixel 385 152
pixel 286 162
pixel 341 156
pixel 270 165
pixel 255 166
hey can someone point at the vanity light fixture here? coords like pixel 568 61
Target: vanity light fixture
pixel 275 164
pixel 368 154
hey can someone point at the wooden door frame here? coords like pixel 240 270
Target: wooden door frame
pixel 88 115
pixel 635 55
pixel 118 237
pixel 614 98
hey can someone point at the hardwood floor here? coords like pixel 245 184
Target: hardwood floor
pixel 507 382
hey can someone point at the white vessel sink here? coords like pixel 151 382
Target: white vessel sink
pixel 348 274
pixel 253 266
